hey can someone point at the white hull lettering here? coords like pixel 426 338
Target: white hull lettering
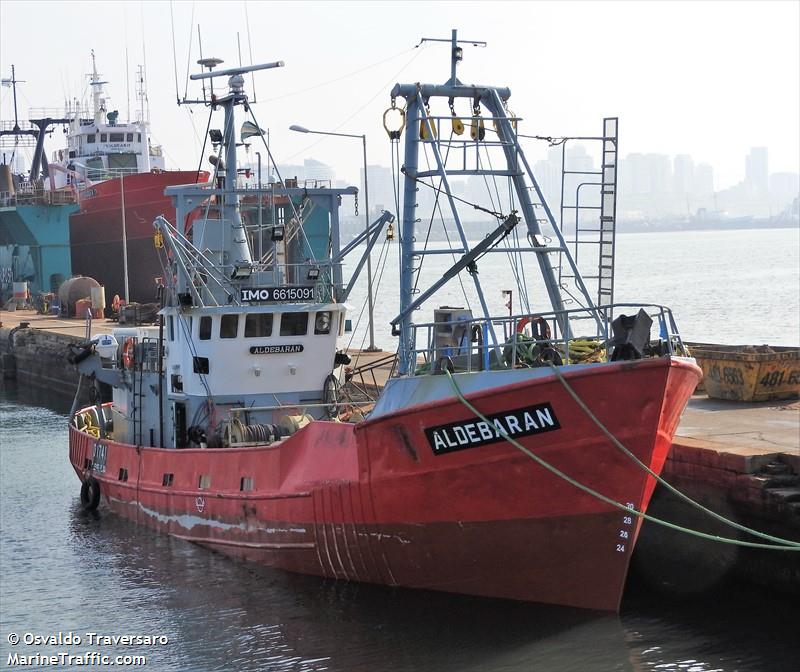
pixel 276 349
pixel 472 432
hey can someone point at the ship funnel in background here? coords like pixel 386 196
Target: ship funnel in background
pixel 249 129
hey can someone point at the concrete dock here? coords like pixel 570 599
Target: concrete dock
pixel 739 459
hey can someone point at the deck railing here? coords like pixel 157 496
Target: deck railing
pixel 466 345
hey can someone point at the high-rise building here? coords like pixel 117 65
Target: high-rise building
pixel 659 172
pixel 683 174
pixel 757 169
pixel 381 192
pixel 703 185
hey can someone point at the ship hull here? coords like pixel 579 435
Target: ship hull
pixel 374 502
pixel 96 231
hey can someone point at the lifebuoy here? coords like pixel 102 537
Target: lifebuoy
pixel 524 322
pixel 90 494
pixel 540 330
pixel 128 357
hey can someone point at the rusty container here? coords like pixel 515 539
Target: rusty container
pixel 749 373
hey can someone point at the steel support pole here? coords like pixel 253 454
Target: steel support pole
pixel 124 238
pixel 371 347
pixel 406 350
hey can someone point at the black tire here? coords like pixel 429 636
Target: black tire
pixel 90 494
pixel 330 396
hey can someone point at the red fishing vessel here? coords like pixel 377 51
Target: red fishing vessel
pixel 486 466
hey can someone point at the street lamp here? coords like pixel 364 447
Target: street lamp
pixel 303 129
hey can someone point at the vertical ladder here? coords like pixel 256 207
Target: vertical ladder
pixel 591 191
pixel 608 212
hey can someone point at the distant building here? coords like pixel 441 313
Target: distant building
pixel 757 169
pixel 381 192
pixel 703 185
pixel 784 188
pixel 683 174
pixel 316 170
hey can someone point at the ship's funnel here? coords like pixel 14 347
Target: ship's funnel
pixel 249 129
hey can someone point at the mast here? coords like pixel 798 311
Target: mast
pixel 494 99
pixel 98 102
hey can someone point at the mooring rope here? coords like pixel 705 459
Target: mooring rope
pixel 671 488
pixel 790 545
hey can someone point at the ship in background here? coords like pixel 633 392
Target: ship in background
pixel 89 209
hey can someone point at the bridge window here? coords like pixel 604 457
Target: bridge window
pixel 90 138
pixel 205 328
pixel 229 326
pixel 117 137
pixel 103 137
pixel 138 137
pixel 130 137
pixel 294 324
pixel 171 328
pixel 322 322
pixel 257 325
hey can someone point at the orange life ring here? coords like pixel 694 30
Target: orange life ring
pixel 128 357
pixel 540 330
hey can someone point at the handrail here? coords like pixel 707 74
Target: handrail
pixel 515 348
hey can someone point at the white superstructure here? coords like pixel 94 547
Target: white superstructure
pixel 99 147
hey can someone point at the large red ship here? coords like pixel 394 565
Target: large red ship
pixel 100 239
pixel 505 457
pixel 118 177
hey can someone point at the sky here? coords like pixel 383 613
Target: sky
pixel 710 79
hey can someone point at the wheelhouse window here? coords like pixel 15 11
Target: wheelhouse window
pixel 294 324
pixel 171 328
pixel 322 322
pixel 104 137
pixel 90 139
pixel 205 328
pixel 229 326
pixel 129 137
pixel 257 325
pixel 138 137
pixel 117 137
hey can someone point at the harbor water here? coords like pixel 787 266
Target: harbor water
pixel 66 571
pixel 734 286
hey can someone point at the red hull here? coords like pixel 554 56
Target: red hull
pixel 96 231
pixel 372 502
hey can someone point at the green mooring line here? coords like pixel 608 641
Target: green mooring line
pixel 788 545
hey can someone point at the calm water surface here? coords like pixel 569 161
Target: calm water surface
pixel 64 570
pixel 733 287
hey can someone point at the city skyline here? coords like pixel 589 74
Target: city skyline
pixel 650 184
pixel 705 94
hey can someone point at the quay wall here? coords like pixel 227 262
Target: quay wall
pixel 760 491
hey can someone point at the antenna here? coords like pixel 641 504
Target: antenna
pixel 233 71
pixel 456 53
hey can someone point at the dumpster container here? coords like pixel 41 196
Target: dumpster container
pixel 748 373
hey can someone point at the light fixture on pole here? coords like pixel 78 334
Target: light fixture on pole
pixel 302 129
